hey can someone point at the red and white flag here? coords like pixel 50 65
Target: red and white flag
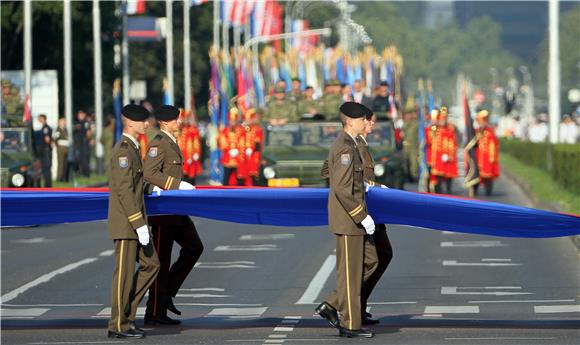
pixel 135 7
pixel 26 116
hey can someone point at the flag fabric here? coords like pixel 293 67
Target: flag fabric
pixel 117 105
pixel 135 7
pixel 471 169
pixel 26 116
pixel 142 29
pixel 198 2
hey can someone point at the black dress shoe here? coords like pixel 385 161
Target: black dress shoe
pixel 369 321
pixel 161 320
pixel 131 333
pixel 326 311
pixel 367 315
pixel 171 307
pixel 355 333
pixel 135 328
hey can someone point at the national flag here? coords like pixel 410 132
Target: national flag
pixel 471 169
pixel 142 29
pixel 198 2
pixel 26 116
pixel 117 105
pixel 135 7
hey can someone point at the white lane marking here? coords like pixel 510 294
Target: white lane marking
pixel 544 309
pixel 503 338
pixel 274 341
pixel 202 295
pixel 237 312
pixel 389 303
pixel 266 237
pixel 478 264
pixel 293 317
pixel 29 312
pixel 44 278
pixel 450 233
pixel 277 336
pixel 457 309
pixel 526 301
pixel 472 244
pixel 107 252
pixel 313 290
pixel 218 305
pixel 496 260
pixel 290 321
pixel 50 305
pixel 204 289
pixel 283 329
pixel 227 264
pixel 452 290
pixel 248 248
pixel 34 240
pixel 79 342
pixel 106 312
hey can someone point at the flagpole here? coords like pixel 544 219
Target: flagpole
pixel 68 111
pixel 169 49
pixel 125 54
pixel 186 57
pixel 28 50
pixel 554 71
pixel 216 24
pixel 98 83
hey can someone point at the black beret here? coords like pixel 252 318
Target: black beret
pixel 135 112
pixel 166 113
pixel 354 110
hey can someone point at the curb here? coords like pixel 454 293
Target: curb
pixel 538 203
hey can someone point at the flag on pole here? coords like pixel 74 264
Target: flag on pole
pixel 471 169
pixel 26 116
pixel 166 98
pixel 117 105
pixel 135 7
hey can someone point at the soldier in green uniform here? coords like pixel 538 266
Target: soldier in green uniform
pixel 61 140
pixel 279 109
pixel 307 106
pixel 163 167
pixel 12 106
pixel 128 227
pixel 411 140
pixel 353 227
pixel 331 100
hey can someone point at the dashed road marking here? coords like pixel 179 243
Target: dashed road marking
pixel 34 240
pixel 202 295
pixel 28 312
pixel 204 289
pixel 458 309
pixel 227 264
pixel 525 301
pixel 106 313
pixel 544 309
pixel 453 290
pixel 237 312
pixel 472 244
pixel 266 237
pixel 107 252
pixel 317 284
pixel 247 248
pixel 478 264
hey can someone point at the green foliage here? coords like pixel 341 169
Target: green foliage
pixel 561 161
pixel 541 184
pixel 440 53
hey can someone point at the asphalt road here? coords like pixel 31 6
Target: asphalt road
pixel 260 285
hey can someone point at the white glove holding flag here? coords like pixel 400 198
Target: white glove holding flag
pixel 185 186
pixel 445 157
pixel 156 191
pixel 196 157
pixel 383 186
pixel 369 224
pixel 234 152
pixel 143 233
pixel 367 186
pixel 249 151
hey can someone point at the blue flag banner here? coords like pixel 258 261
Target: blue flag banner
pixel 296 207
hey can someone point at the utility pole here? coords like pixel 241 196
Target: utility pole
pixel 28 51
pixel 68 111
pixel 169 49
pixel 98 83
pixel 554 71
pixel 186 57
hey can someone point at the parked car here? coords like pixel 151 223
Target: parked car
pixel 19 167
pixel 293 154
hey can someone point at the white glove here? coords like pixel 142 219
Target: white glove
pixel 185 186
pixel 445 157
pixel 234 152
pixel 369 224
pixel 156 190
pixel 143 233
pixel 189 161
pixel 196 157
pixel 249 151
pixel 367 187
pixel 383 186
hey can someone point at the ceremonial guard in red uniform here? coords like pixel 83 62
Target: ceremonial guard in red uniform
pixel 487 152
pixel 230 143
pixel 443 153
pixel 190 144
pixel 253 146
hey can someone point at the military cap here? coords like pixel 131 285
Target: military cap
pixel 6 82
pixel 279 89
pixel 135 112
pixel 355 110
pixel 166 113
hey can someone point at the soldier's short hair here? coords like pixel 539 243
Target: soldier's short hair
pixel 43 116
